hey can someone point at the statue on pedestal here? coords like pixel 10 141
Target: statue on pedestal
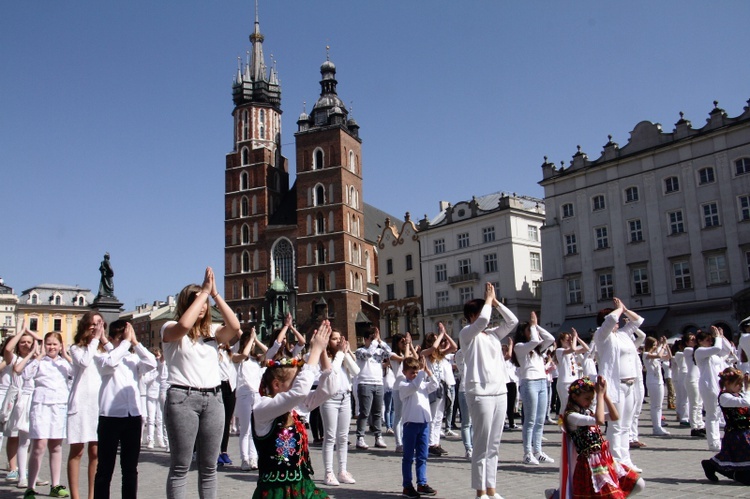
pixel 106 283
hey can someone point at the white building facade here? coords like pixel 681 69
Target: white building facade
pixel 493 238
pixel 662 223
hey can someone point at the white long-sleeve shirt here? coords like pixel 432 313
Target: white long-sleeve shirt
pixel 483 353
pixel 370 362
pixel 710 362
pixel 119 396
pixel 415 401
pixel 610 345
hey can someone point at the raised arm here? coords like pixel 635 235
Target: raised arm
pixel 175 332
pixel 510 321
pixel 468 333
pixel 231 330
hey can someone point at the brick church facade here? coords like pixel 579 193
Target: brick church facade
pixel 302 247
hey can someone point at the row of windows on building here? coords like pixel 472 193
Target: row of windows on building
pixel 248 181
pixel 717 273
pixel 56 299
pixel 670 185
pixel 488 235
pixel 319 159
pixel 443 297
pixel 316 196
pixel 709 213
pixel 411 318
pixel 245 124
pixel 34 324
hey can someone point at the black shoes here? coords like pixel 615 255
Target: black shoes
pixel 410 493
pixel 426 490
pixel 437 451
pixel 710 470
pixel 700 433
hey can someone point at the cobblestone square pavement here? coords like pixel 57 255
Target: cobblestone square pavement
pixel 671 470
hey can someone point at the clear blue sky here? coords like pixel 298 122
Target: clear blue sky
pixel 115 117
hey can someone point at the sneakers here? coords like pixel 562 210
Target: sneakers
pixel 410 492
pixel 245 466
pixel 543 458
pixel 399 449
pixel 433 451
pixel 389 431
pixel 330 480
pixel 700 433
pixel 29 494
pixel 469 454
pixel 59 491
pixel 661 432
pixel 12 476
pixel 426 490
pixel 253 463
pixel 346 477
pixel 150 444
pixel 224 458
pixel 450 433
pixel 380 443
pixel 529 458
pixel 361 444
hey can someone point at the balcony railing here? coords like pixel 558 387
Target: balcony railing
pixel 450 309
pixel 461 278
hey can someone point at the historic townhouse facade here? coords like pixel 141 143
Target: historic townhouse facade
pixel 662 223
pixel 493 238
pixel 53 307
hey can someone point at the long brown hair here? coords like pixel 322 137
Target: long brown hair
pixel 82 337
pixel 202 327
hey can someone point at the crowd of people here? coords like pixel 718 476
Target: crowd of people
pixel 108 393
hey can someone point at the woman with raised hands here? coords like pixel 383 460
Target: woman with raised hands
pixel 194 409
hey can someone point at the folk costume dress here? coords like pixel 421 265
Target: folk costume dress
pixel 734 458
pixel 285 471
pixel 595 473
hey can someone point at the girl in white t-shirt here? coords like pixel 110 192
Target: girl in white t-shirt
pixel 49 407
pixel 569 346
pixel 194 409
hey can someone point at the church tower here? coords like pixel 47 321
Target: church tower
pixel 331 244
pixel 257 180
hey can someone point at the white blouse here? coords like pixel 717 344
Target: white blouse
pixel 192 363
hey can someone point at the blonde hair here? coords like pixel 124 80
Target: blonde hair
pixel 202 327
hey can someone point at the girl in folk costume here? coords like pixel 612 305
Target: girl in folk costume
pixel 279 434
pixel 588 469
pixel 733 461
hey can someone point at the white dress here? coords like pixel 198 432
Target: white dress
pixel 83 404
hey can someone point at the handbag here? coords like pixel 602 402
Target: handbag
pixel 437 394
pixel 9 402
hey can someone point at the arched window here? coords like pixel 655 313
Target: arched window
pixel 367 266
pixel 245 125
pixel 245 261
pixel 255 232
pixel 353 197
pixel 331 285
pixel 244 183
pixel 282 261
pixel 254 204
pixel 245 234
pixel 320 193
pixel 357 283
pixel 351 161
pixel 310 283
pixel 321 282
pixel 262 124
pixel 58 300
pixel 245 289
pixel 244 207
pixel 320 224
pixel 320 253
pixel 256 260
pixel 318 159
pixel 309 225
pixel 34 299
pixel 245 156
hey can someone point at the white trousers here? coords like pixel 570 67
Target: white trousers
pixel 243 409
pixel 562 392
pixel 695 404
pixel 436 408
pixel 487 419
pixel 618 432
pixel 681 398
pixel 638 394
pixel 336 414
pixel 713 416
pixel 656 399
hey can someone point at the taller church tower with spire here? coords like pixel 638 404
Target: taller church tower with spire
pixel 302 248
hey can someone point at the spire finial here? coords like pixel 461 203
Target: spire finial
pixel 328 52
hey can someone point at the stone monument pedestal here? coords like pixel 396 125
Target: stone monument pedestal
pixel 109 307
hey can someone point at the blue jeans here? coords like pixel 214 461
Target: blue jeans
pixel 534 400
pixel 388 408
pixel 370 399
pixel 416 438
pixel 193 419
pixel 467 432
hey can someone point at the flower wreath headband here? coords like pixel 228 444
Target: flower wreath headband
pixel 285 363
pixel 579 385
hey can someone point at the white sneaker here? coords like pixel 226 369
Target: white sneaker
pixel 380 443
pixel 346 477
pixel 483 496
pixel 543 458
pixel 245 466
pixel 661 432
pixel 529 459
pixel 253 463
pixel 150 444
pixel 330 479
pixel 361 444
pixel 468 454
pixel 450 433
